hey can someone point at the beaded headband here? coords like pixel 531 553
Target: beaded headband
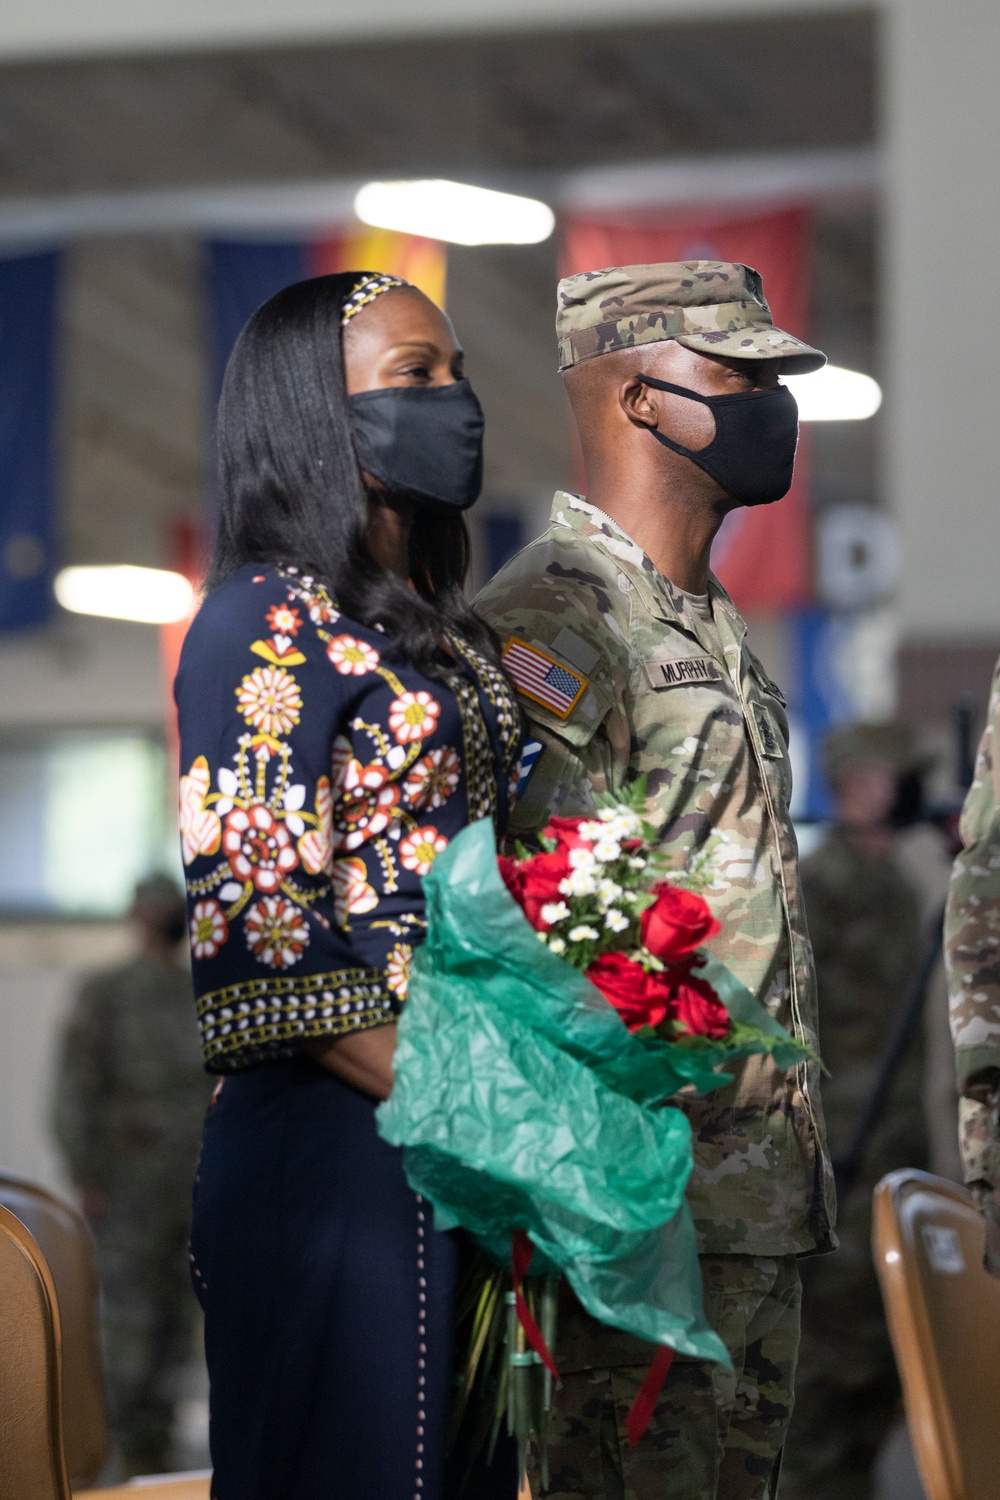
pixel 371 285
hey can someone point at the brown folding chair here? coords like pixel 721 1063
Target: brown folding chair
pixel 165 1487
pixel 943 1312
pixel 64 1239
pixel 32 1448
pixel 32 1462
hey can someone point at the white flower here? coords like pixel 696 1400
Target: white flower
pixel 607 849
pixel 556 945
pixel 622 823
pixel 583 934
pixel 578 883
pixel 615 920
pixel 554 911
pixel 540 936
pixel 590 831
pixel 608 892
pixel 581 859
pixel 635 863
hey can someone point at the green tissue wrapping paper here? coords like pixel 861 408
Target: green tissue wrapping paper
pixel 522 1101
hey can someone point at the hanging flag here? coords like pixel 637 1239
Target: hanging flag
pixel 188 556
pixel 762 555
pixel 422 262
pixel 28 288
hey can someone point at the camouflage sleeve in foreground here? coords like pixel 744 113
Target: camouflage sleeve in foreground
pixel 972 955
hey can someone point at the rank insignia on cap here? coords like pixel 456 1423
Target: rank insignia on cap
pixel 541 678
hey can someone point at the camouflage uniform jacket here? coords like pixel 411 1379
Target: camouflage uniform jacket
pixel 972 957
pixel 708 728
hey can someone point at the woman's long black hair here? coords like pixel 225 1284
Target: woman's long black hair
pixel 291 489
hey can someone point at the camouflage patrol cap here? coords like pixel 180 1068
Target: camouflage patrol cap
pixel 889 744
pixel 713 306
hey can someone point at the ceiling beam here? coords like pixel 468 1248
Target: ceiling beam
pixel 80 28
pixel 723 180
pixel 302 209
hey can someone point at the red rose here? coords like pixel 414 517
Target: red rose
pixel 677 922
pixel 566 831
pixel 535 882
pixel 698 1008
pixel 641 999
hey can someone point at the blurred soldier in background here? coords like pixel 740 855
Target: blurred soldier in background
pixel 864 921
pixel 972 945
pixel 130 1100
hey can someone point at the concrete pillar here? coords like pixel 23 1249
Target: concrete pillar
pixel 942 313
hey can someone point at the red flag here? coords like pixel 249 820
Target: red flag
pixel 762 555
pixel 189 557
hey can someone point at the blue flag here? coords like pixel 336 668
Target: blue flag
pixel 28 288
pixel 240 277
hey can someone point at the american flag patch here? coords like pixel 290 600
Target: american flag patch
pixel 542 678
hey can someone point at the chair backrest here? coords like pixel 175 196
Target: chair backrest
pixel 32 1462
pixel 65 1241
pixel 943 1311
pixel 163 1487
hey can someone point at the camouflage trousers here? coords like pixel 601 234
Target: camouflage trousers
pixel 148 1315
pixel 715 1434
pixel 847 1396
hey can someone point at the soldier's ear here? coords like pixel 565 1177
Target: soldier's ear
pixel 635 400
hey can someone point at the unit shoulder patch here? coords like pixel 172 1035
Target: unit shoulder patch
pixel 683 671
pixel 542 678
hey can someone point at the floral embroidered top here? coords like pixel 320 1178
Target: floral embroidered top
pixel 320 784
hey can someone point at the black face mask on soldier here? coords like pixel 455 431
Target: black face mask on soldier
pixel 753 450
pixel 425 442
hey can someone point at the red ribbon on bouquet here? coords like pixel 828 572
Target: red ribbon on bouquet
pixel 644 1404
pixel 521 1251
pixel 641 1412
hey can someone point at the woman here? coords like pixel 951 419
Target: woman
pixel 342 717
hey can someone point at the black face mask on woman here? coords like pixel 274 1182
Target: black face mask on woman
pixel 753 450
pixel 422 441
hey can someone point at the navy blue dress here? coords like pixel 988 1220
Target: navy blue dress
pixel 320 783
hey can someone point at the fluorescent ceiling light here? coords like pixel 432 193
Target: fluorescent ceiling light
pixel 150 595
pixel 454 211
pixel 834 395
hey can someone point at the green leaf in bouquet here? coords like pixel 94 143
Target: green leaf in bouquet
pixel 754 1029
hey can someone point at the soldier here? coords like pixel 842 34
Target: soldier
pixel 631 660
pixel 972 939
pixel 130 1099
pixel 864 921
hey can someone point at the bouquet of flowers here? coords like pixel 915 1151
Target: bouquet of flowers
pixel 562 997
pixel 601 896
